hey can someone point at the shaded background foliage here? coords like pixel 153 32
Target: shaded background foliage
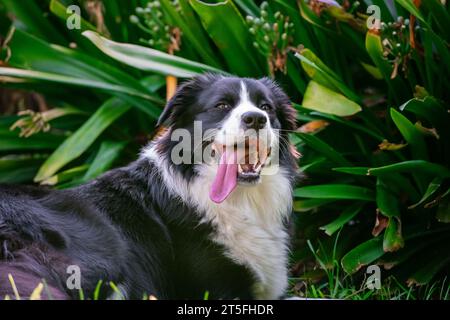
pixel 373 110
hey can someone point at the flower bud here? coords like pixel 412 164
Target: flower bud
pixel 134 19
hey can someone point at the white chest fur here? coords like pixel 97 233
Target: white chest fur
pixel 249 222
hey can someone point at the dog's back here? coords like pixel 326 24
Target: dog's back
pixel 25 256
pixel 94 227
pixel 118 229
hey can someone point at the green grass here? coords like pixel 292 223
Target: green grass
pixel 337 287
pixel 336 284
pixel 391 289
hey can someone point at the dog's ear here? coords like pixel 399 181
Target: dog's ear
pixel 166 116
pixel 184 97
pixel 181 100
pixel 288 116
pixel 286 113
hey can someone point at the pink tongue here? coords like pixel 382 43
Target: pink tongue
pixel 226 177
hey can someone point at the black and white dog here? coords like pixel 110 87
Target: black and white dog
pixel 172 230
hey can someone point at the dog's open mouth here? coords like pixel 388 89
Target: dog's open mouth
pixel 241 163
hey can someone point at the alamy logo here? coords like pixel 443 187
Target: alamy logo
pixel 374 280
pixel 374 20
pixel 251 147
pixel 74 280
pixel 73 22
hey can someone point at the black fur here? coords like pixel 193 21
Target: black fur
pixel 125 227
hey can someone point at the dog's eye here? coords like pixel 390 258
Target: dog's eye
pixel 222 106
pixel 266 107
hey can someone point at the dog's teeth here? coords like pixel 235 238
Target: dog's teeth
pixel 253 158
pixel 263 156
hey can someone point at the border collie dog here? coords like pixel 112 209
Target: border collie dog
pixel 171 229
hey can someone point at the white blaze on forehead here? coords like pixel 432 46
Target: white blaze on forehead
pixel 244 96
pixel 232 126
pixel 245 104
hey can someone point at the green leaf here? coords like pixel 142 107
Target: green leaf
pixel 123 92
pixel 411 134
pixel 373 71
pixel 19 168
pixel 248 6
pixel 310 16
pixel 36 142
pixel 433 263
pixel 228 30
pixel 412 166
pixel 78 142
pixel 401 185
pixel 351 124
pixel 116 15
pixel 323 148
pixel 347 214
pixel 374 48
pixel 442 48
pixel 335 191
pixel 65 176
pixel 365 253
pixel 32 19
pixel 443 212
pixel 34 54
pixel 413 248
pixel 147 59
pixel 97 290
pixel 191 30
pixel 301 34
pixel 432 188
pixel 431 110
pixel 411 8
pixel 11 141
pixel 316 164
pixel 293 74
pixel 440 15
pixel 359 171
pixel 309 204
pixel 39 56
pixel 321 73
pixel 63 79
pixel 320 98
pixel 109 151
pixel 387 199
pixel 58 9
pixel 19 175
pixel 393 239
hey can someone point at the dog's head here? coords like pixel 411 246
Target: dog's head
pixel 237 127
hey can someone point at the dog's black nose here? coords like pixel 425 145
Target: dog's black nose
pixel 254 120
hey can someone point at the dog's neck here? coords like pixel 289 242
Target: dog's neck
pixel 250 223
